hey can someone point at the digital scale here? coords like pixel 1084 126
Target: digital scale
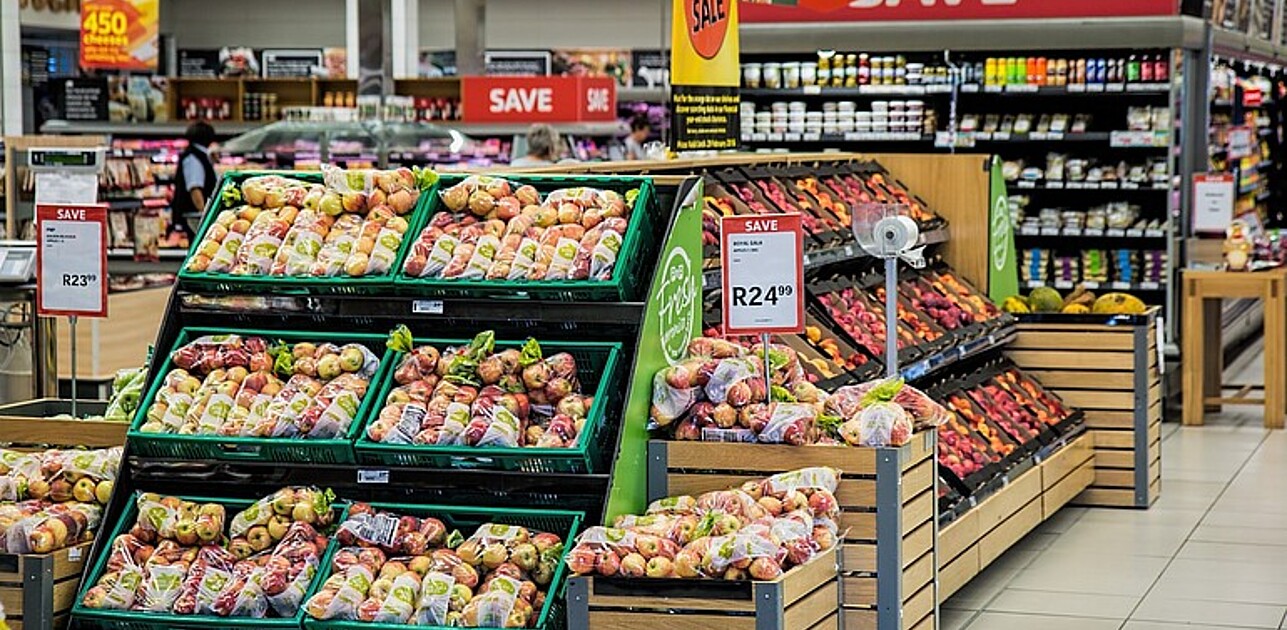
pixel 66 175
pixel 17 262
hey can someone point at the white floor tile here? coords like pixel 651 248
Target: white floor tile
pixel 1050 602
pixel 1011 621
pixel 1079 572
pixel 1203 612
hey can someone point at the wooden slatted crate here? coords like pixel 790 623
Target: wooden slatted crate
pixel 1004 515
pixel 38 590
pixel 32 423
pixel 887 505
pixel 803 598
pixel 1108 367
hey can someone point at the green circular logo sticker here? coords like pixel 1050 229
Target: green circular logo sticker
pixel 680 294
pixel 1000 233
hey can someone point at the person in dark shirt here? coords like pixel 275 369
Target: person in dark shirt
pixel 195 179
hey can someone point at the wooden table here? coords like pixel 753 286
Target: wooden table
pixel 1203 366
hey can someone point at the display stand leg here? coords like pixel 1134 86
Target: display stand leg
pixel 74 397
pixel 891 317
pixel 768 369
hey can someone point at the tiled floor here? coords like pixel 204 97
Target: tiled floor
pixel 1211 553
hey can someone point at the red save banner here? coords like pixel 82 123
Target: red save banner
pixel 883 10
pixel 119 34
pixel 538 99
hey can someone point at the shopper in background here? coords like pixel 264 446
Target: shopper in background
pixel 194 180
pixel 542 147
pixel 640 129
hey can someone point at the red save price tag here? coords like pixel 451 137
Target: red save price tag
pixel 71 260
pixel 763 274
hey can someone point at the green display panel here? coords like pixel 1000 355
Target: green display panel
pixel 672 318
pixel 1003 269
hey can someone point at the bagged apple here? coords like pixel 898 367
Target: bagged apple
pixel 163 577
pixel 305 504
pixel 434 600
pixel 242 597
pixel 788 423
pixel 208 575
pixel 53 528
pixel 166 413
pixel 340 242
pixel 399 603
pixel 19 470
pixel 115 590
pixel 341 594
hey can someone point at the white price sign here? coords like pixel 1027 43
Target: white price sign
pixel 1214 195
pixel 71 260
pixel 763 271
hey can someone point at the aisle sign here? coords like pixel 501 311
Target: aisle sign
pixel 71 260
pixel 119 34
pixel 1213 198
pixel 538 99
pixel 704 76
pixel 762 260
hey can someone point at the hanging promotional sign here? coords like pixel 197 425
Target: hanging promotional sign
pixel 119 34
pixel 885 10
pixel 704 75
pixel 538 99
pixel 71 260
pixel 763 274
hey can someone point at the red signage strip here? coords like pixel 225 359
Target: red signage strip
pixel 538 99
pixel 763 274
pixel 887 10
pixel 71 260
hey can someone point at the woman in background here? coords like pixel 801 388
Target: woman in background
pixel 542 147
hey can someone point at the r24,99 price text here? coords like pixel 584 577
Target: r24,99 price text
pixel 760 296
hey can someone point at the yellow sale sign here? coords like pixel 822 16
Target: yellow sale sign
pixel 119 34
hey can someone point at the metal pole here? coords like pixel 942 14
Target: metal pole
pixel 891 317
pixel 74 394
pixel 768 369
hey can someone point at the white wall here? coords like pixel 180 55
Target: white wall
pixel 254 23
pixel 545 24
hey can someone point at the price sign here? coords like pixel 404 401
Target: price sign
pixel 763 274
pixel 71 260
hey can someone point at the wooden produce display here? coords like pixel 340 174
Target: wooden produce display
pixel 887 501
pixel 30 423
pixel 1022 499
pixel 803 598
pixel 1108 367
pixel 38 590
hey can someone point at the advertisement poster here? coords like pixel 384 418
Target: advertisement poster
pixel 600 62
pixel 119 34
pixel 704 75
pixel 650 68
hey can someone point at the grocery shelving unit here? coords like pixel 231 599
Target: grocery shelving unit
pixel 630 322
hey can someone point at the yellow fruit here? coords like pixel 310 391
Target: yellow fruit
pixel 1118 304
pixel 1076 309
pixel 1015 304
pixel 1045 300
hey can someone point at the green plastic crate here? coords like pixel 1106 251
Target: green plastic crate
pixel 467 519
pixel 629 272
pixel 283 450
pixel 599 371
pixel 131 620
pixel 295 285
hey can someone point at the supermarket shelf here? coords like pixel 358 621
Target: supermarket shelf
pixel 1133 233
pixel 164 254
pixel 1090 89
pixel 848 92
pixel 1062 186
pixel 508 129
pixel 932 365
pixel 1095 286
pixel 852 136
pixel 815 259
pixel 641 94
pixel 174 129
